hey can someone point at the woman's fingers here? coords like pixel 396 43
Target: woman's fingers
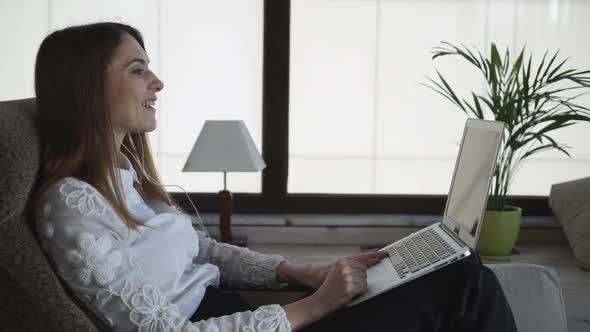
pixel 368 257
pixel 354 272
pixel 355 276
pixel 373 261
pixel 346 279
pixel 356 268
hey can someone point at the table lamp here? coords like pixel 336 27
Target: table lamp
pixel 224 146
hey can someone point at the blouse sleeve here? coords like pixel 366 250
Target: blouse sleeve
pixel 240 267
pixel 88 247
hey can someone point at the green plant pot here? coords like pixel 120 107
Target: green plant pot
pixel 499 233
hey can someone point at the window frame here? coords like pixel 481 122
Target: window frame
pixel 274 198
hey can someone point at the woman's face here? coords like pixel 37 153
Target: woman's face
pixel 132 88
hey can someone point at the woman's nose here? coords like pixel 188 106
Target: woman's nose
pixel 157 84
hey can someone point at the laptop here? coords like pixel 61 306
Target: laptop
pixel 451 240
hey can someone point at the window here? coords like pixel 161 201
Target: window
pixel 360 122
pixel 207 53
pixel 212 66
pixel 362 136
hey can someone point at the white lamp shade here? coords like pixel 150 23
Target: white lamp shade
pixel 224 146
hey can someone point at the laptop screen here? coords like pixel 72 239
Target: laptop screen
pixel 470 186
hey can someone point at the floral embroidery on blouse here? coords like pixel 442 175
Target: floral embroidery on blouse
pixel 111 282
pixel 190 327
pixel 82 196
pixel 148 308
pixel 258 270
pixel 92 259
pixel 153 311
pixel 270 318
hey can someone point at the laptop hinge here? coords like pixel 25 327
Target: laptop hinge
pixel 452 235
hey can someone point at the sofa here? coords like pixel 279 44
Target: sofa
pixel 34 299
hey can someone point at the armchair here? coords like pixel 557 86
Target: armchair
pixel 32 296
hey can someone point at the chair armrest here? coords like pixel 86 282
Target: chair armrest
pixel 534 294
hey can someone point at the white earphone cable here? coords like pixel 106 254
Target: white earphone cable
pixel 152 180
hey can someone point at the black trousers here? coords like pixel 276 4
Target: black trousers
pixel 464 296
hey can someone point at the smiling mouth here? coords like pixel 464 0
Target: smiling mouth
pixel 148 103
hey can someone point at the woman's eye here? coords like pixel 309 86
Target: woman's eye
pixel 138 71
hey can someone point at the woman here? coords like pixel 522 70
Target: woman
pixel 113 235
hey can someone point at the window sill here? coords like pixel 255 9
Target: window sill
pixel 348 220
pixel 361 230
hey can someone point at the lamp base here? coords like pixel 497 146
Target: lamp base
pixel 226 207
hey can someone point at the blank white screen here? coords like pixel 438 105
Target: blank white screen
pixel 470 185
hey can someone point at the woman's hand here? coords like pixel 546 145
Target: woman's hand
pixel 337 284
pixel 313 275
pixel 346 279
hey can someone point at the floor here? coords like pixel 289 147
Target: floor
pixel 575 282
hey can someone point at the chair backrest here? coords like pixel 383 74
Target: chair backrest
pixel 32 297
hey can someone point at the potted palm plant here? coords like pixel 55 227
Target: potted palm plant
pixel 534 100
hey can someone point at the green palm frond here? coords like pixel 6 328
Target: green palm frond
pixel 533 100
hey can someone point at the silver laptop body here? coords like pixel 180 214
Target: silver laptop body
pixel 445 242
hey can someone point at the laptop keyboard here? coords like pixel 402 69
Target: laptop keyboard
pixel 418 252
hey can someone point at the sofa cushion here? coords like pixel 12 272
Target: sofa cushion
pixel 570 202
pixel 19 156
pixel 534 294
pixel 32 297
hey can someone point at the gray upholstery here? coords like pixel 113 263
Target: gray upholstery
pixel 570 203
pixel 32 298
pixel 534 294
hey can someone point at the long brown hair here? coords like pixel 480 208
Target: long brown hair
pixel 75 121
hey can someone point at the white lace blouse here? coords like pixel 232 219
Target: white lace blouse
pixel 152 279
